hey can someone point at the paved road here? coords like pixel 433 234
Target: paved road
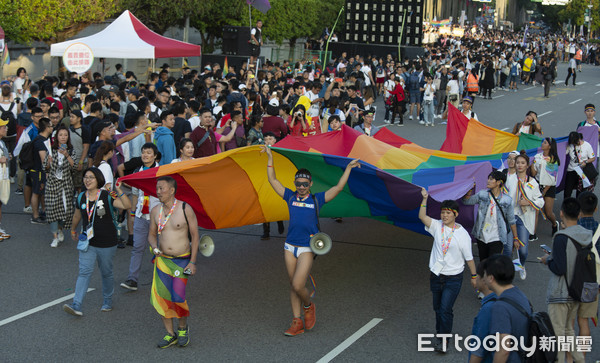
pixel 239 299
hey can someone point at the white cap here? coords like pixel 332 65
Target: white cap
pixel 274 102
pixel 241 87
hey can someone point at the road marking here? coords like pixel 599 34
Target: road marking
pixel 528 88
pixel 570 103
pixel 580 83
pixel 39 308
pixel 598 85
pixel 504 129
pixel 545 113
pixel 348 342
pixel 597 92
pixel 497 97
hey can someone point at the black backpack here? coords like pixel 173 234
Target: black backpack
pixel 9 116
pixel 583 286
pixel 26 156
pixel 540 325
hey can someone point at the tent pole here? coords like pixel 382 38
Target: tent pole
pixel 250 13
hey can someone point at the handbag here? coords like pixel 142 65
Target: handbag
pixel 83 243
pixel 453 97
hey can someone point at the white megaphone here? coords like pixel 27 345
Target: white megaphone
pixel 320 243
pixel 206 246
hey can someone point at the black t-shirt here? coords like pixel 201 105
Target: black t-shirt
pixel 105 233
pixel 182 126
pixel 38 145
pixel 132 165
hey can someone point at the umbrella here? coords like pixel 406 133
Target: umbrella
pixel 261 5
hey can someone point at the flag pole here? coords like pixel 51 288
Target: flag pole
pixel 400 37
pixel 325 60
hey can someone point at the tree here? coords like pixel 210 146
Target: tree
pixel 214 16
pixel 51 20
pixel 575 11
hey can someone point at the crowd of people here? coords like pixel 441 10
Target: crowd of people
pixel 67 140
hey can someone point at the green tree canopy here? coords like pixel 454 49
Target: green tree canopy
pixel 27 20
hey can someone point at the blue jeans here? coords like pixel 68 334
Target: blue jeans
pixel 428 112
pixel 104 257
pixel 141 227
pixel 445 290
pixel 523 234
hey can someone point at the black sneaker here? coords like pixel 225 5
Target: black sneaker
pixel 19 192
pixel 265 237
pixel 167 341
pixel 120 244
pixel 38 220
pixel 129 285
pixel 533 237
pixel 280 228
pixel 183 336
pixel 130 241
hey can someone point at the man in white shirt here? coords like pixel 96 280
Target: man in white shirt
pixel 572 71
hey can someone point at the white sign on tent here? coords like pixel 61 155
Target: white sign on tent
pixel 78 58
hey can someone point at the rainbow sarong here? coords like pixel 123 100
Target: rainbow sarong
pixel 168 286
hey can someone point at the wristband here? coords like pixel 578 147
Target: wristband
pixel 193 263
pixel 423 205
pixel 474 276
pixel 269 166
pixel 73 232
pixel 132 213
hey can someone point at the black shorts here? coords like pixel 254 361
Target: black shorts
pixel 254 50
pixel 36 180
pixel 551 193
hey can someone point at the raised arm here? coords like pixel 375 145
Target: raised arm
pixel 335 190
pixel 122 201
pixel 276 184
pixel 423 209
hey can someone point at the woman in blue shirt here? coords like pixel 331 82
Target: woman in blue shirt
pixel 303 224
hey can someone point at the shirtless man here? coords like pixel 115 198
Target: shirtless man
pixel 174 261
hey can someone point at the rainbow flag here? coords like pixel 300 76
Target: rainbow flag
pixel 438 23
pixel 6 56
pixel 225 67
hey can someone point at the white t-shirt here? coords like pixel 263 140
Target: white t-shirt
pixel 313 110
pixel 490 225
pixel 429 92
pixel 389 86
pixel 453 84
pixel 366 70
pixel 194 122
pixel 18 86
pixel 459 249
pixel 546 172
pixel 6 106
pixel 579 154
pixel 106 172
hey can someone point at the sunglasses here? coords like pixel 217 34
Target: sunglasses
pixel 302 184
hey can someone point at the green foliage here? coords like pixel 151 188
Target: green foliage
pixel 293 19
pixel 213 15
pixel 575 10
pixel 27 20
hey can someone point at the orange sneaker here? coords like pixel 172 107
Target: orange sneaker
pixel 310 317
pixel 296 328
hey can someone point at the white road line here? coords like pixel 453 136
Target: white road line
pixel 570 103
pixel 497 97
pixel 545 113
pixel 39 308
pixel 525 89
pixel 597 92
pixel 348 342
pixel 598 85
pixel 504 129
pixel 580 83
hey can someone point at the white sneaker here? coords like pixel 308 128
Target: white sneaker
pixel 12 179
pixel 28 209
pixel 432 124
pixel 422 122
pixel 426 124
pixel 54 243
pixel 410 117
pixel 523 273
pixel 386 121
pixel 60 235
pixel 438 116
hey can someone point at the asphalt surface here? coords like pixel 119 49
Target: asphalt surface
pixel 239 299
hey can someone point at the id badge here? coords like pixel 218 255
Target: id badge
pixel 438 267
pixel 90 232
pixel 487 227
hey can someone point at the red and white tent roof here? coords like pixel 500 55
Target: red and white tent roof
pixel 129 38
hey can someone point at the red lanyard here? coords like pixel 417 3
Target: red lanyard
pixel 161 224
pixel 446 241
pixel 89 211
pixel 492 205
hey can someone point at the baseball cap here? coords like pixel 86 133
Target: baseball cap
pixel 4 83
pixel 208 67
pixel 133 91
pixel 3 122
pixel 241 87
pixel 114 88
pixel 77 113
pixel 468 99
pixel 274 102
